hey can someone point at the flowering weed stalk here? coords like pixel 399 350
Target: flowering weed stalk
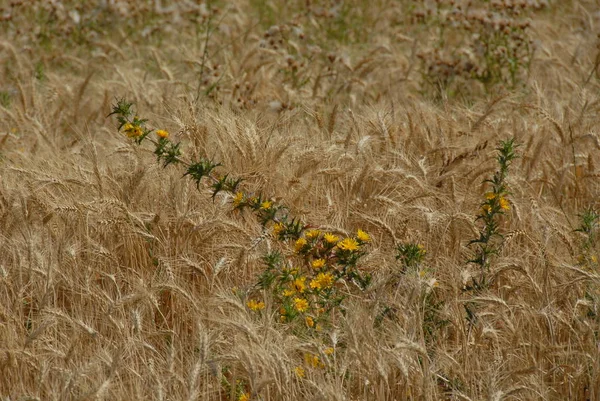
pixel 304 283
pixel 494 206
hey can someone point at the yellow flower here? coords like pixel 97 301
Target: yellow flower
pixel 288 293
pixel 238 198
pixel 300 244
pixel 504 204
pixel 348 244
pixel 266 205
pixel 299 371
pixel 311 360
pixel 330 238
pixel 255 305
pixel 244 397
pixel 594 258
pixel 162 133
pixel 282 318
pixel 312 234
pixel 323 280
pixel 309 321
pixel 329 351
pixel 363 236
pixel 490 195
pixel 318 263
pixel 277 229
pixel 299 284
pixel 486 208
pixel 300 304
pixel 133 131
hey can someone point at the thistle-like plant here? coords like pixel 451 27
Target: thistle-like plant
pixel 490 239
pixel 306 283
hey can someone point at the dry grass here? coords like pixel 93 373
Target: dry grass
pixel 116 275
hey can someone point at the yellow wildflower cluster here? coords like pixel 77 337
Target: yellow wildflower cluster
pixel 502 201
pixel 255 305
pixel 306 291
pixel 133 131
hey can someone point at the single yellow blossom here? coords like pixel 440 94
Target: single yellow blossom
pixel 312 234
pixel 363 236
pixel 266 205
pixel 255 305
pixel 238 198
pixel 299 284
pixel 300 244
pixel 504 204
pixel 244 397
pixel 309 321
pixel 329 351
pixel 348 244
pixel 318 264
pixel 323 280
pixel 486 208
pixel 594 258
pixel 288 292
pixel 299 371
pixel 330 238
pixel 161 133
pixel 300 304
pixel 490 195
pixel 277 229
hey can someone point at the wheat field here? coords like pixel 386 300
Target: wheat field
pixel 123 280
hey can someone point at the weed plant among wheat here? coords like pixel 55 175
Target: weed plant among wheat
pixel 292 200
